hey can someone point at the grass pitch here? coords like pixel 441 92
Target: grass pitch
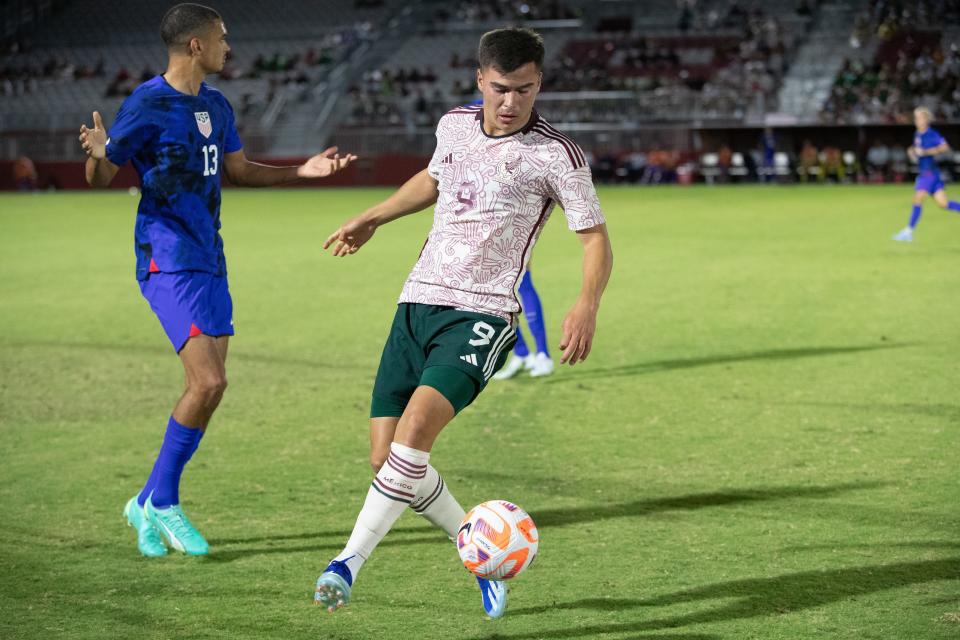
pixel 762 445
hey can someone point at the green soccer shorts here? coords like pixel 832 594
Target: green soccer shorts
pixel 455 352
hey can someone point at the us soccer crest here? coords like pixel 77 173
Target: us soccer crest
pixel 203 123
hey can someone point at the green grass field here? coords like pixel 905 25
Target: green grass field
pixel 763 444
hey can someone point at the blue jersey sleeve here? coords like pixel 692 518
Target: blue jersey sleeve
pixel 931 139
pixel 231 140
pixel 129 134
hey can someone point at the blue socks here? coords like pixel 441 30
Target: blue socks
pixel 179 443
pixel 533 311
pixel 520 349
pixel 952 205
pixel 915 215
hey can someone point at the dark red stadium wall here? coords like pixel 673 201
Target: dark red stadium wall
pixel 390 170
pixel 393 170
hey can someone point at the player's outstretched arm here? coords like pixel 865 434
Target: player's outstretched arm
pixel 98 171
pixel 244 173
pixel 581 321
pixel 943 147
pixel 416 194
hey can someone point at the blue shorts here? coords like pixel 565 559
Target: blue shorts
pixel 928 181
pixel 189 303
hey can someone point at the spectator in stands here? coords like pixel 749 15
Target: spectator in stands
pixel 878 162
pixel 24 174
pixel 768 143
pixel 724 162
pixel 810 162
pixel 832 167
pixel 661 167
pixel 899 163
pixel 908 67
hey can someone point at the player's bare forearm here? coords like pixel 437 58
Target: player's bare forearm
pixel 245 173
pixel 935 151
pixel 254 174
pixel 416 194
pixel 580 324
pixel 99 172
pixel 597 265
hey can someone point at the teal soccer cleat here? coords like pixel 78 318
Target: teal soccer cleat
pixel 148 538
pixel 173 523
pixel 494 595
pixel 334 586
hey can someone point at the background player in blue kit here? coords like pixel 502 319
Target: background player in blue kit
pixel 180 133
pixel 540 364
pixel 927 144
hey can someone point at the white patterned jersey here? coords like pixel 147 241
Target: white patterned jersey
pixel 496 194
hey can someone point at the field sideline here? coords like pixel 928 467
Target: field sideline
pixel 763 443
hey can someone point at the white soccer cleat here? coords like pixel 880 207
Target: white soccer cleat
pixel 906 235
pixel 514 366
pixel 540 365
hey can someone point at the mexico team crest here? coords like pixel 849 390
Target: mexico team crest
pixel 203 123
pixel 508 168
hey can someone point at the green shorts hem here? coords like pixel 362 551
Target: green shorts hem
pixel 453 384
pixel 387 408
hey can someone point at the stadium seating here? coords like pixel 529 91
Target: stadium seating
pixel 630 80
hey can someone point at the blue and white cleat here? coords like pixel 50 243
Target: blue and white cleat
pixel 334 586
pixel 494 594
pixel 906 235
pixel 177 529
pixel 148 537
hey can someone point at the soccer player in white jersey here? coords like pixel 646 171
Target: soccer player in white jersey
pixel 496 174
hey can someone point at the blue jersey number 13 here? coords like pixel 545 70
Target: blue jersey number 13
pixel 210 160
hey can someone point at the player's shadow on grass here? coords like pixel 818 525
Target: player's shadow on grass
pixel 153 350
pixel 334 545
pixel 576 515
pixel 656 366
pixel 748 598
pixel 334 540
pixel 336 534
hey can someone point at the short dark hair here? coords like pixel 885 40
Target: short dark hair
pixel 509 49
pixel 185 21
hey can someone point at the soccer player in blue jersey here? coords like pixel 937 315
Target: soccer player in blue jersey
pixel 180 134
pixel 540 364
pixel 927 144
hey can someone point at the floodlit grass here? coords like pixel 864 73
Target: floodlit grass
pixel 763 443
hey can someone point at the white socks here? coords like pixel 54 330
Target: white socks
pixel 435 503
pixel 395 486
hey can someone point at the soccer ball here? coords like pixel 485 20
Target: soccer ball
pixel 497 540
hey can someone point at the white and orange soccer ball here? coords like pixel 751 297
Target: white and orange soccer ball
pixel 497 540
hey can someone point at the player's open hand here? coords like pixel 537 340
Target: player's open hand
pixel 352 235
pixel 94 141
pixel 325 164
pixel 578 329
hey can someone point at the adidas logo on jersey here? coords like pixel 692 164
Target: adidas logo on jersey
pixel 471 358
pixel 448 159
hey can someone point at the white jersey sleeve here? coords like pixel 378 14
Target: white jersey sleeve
pixel 574 191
